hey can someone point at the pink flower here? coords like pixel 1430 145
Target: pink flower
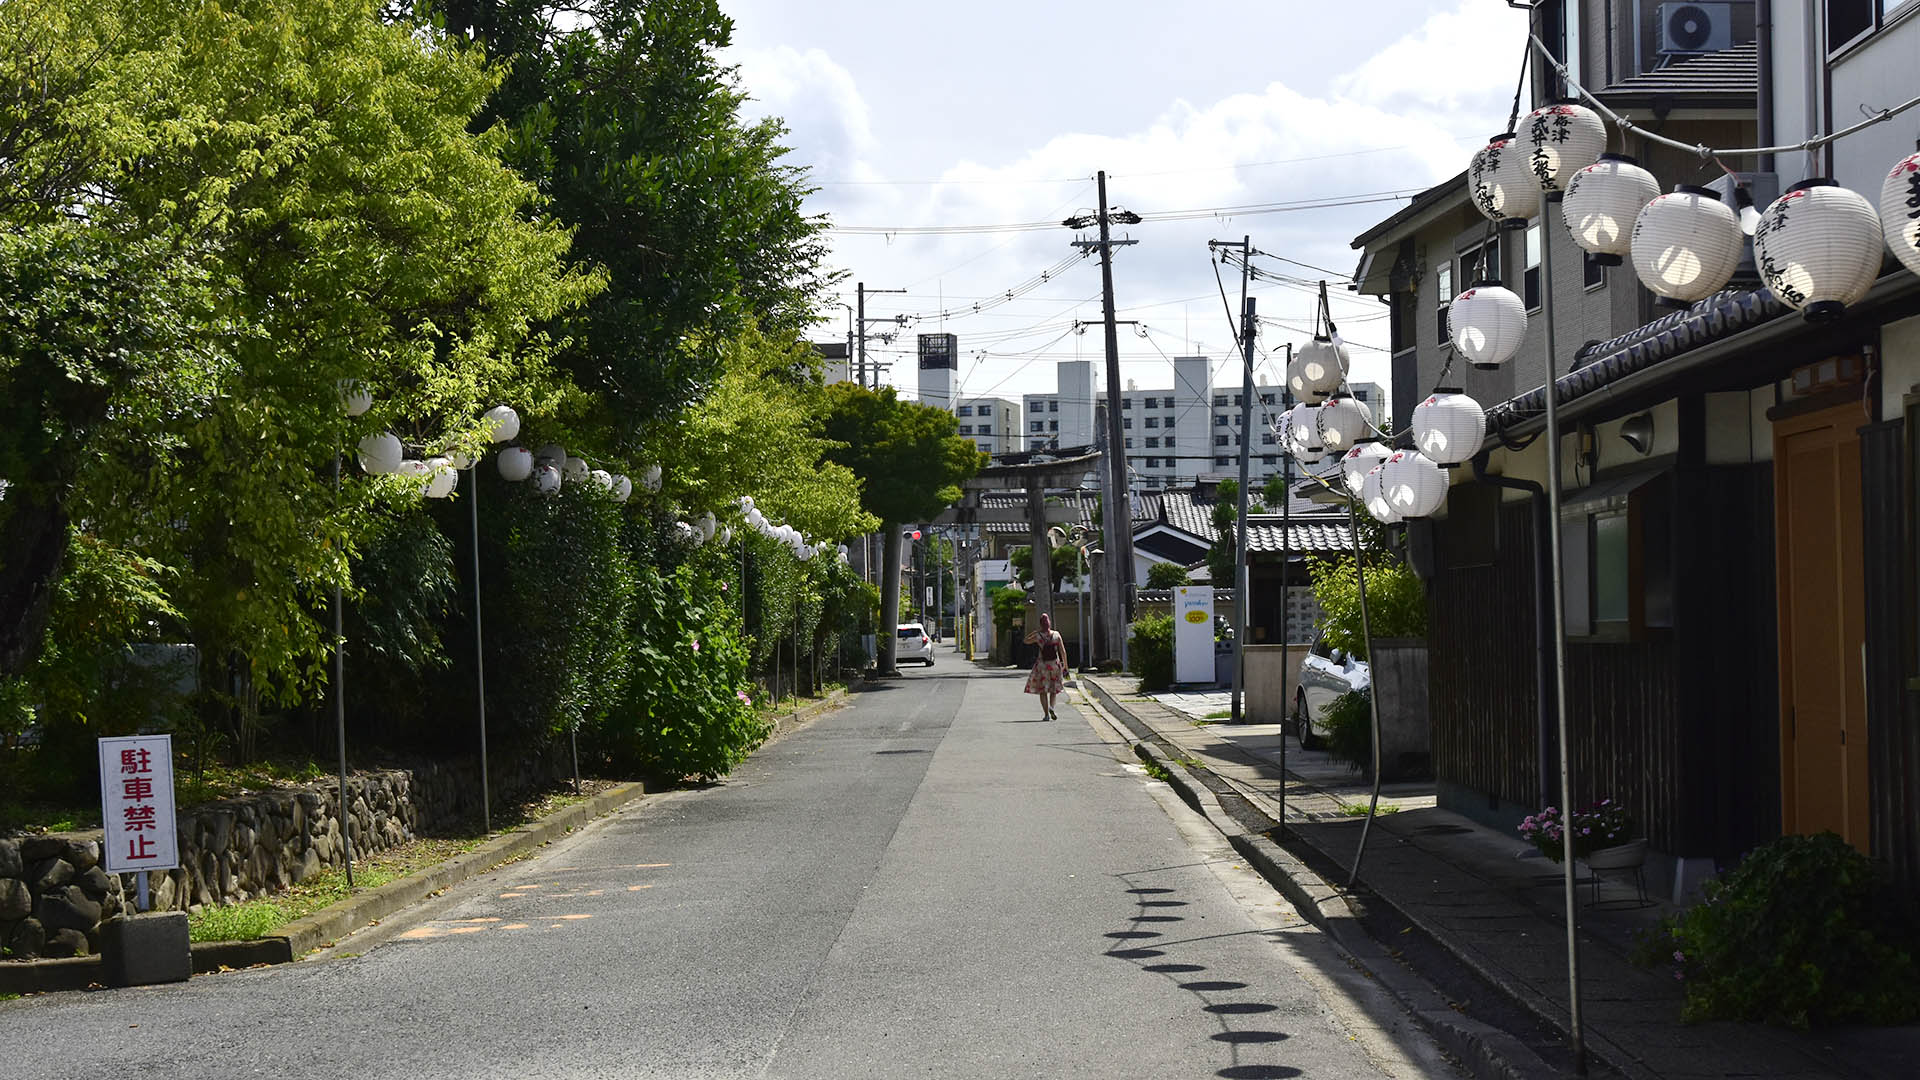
pixel 1679 957
pixel 745 698
pixel 696 645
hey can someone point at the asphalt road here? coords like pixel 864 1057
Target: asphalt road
pixel 930 882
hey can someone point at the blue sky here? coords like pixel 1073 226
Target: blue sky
pixel 993 112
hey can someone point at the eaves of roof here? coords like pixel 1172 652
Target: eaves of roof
pixel 1727 323
pixel 1299 537
pixel 1729 78
pixel 1436 198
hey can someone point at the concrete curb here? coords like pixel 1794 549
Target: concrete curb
pixel 1488 1052
pixel 329 924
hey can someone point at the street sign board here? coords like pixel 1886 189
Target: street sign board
pixel 136 804
pixel 1193 634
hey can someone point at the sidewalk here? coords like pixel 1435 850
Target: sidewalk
pixel 1466 887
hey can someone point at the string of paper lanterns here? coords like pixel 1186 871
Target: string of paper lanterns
pixel 796 541
pixel 1818 245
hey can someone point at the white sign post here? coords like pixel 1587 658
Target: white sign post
pixel 136 807
pixel 1193 634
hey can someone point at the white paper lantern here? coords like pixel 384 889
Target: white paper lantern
pixel 726 535
pixel 354 397
pixel 1317 369
pixel 516 464
pixel 415 470
pixel 1374 495
pixel 1603 201
pixel 1501 184
pixel 1343 421
pixel 441 478
pixel 459 460
pixel 603 478
pixel 502 424
pixel 1561 140
pixel 1358 461
pixel 745 503
pixel 1449 427
pixel 757 520
pixel 1487 322
pixel 1686 244
pixel 546 479
pixel 651 478
pixel 551 454
pixel 380 454
pixel 1413 483
pixel 575 470
pixel 622 488
pixel 1818 248
pixel 709 526
pixel 1302 432
pixel 1900 211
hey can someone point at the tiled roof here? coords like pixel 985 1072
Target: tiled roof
pixel 1720 315
pixel 1083 500
pixel 1328 534
pixel 1728 77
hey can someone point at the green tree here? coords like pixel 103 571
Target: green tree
pixel 910 462
pixel 760 433
pixel 622 113
pixel 1226 517
pixel 1166 575
pixel 1396 602
pixel 278 195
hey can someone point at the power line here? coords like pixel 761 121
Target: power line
pixel 1241 210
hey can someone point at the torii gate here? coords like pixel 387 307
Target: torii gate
pixel 1034 478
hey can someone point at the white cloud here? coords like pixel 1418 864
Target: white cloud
pixel 1404 118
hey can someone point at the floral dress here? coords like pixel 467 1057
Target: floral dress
pixel 1049 676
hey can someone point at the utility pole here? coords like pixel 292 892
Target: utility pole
pixel 860 299
pixel 1118 515
pixel 860 320
pixel 1241 582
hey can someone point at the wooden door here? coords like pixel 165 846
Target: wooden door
pixel 1823 719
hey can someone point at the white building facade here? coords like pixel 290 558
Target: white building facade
pixel 1172 435
pixel 992 423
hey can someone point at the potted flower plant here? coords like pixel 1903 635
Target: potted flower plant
pixel 1602 835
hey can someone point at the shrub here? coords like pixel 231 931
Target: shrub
pixel 1150 651
pixel 1349 724
pixel 1166 575
pixel 1805 931
pixel 1396 602
pixel 686 712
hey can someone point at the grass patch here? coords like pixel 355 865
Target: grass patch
pixel 1219 714
pixel 260 918
pixel 1156 770
pixel 1361 811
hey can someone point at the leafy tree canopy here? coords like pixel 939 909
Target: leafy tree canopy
pixel 908 456
pixel 759 433
pixel 622 114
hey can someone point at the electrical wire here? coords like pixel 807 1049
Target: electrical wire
pixel 1243 210
pixel 1703 151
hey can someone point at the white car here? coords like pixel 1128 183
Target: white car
pixel 912 644
pixel 1325 674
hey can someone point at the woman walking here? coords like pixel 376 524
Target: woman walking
pixel 1049 675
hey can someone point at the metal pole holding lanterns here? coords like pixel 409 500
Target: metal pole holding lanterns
pixel 340 711
pixel 480 653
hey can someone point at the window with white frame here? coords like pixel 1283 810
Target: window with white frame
pixel 1443 290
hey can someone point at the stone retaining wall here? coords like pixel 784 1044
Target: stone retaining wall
pixel 54 892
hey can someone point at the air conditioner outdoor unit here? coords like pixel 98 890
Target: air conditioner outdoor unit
pixel 1689 29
